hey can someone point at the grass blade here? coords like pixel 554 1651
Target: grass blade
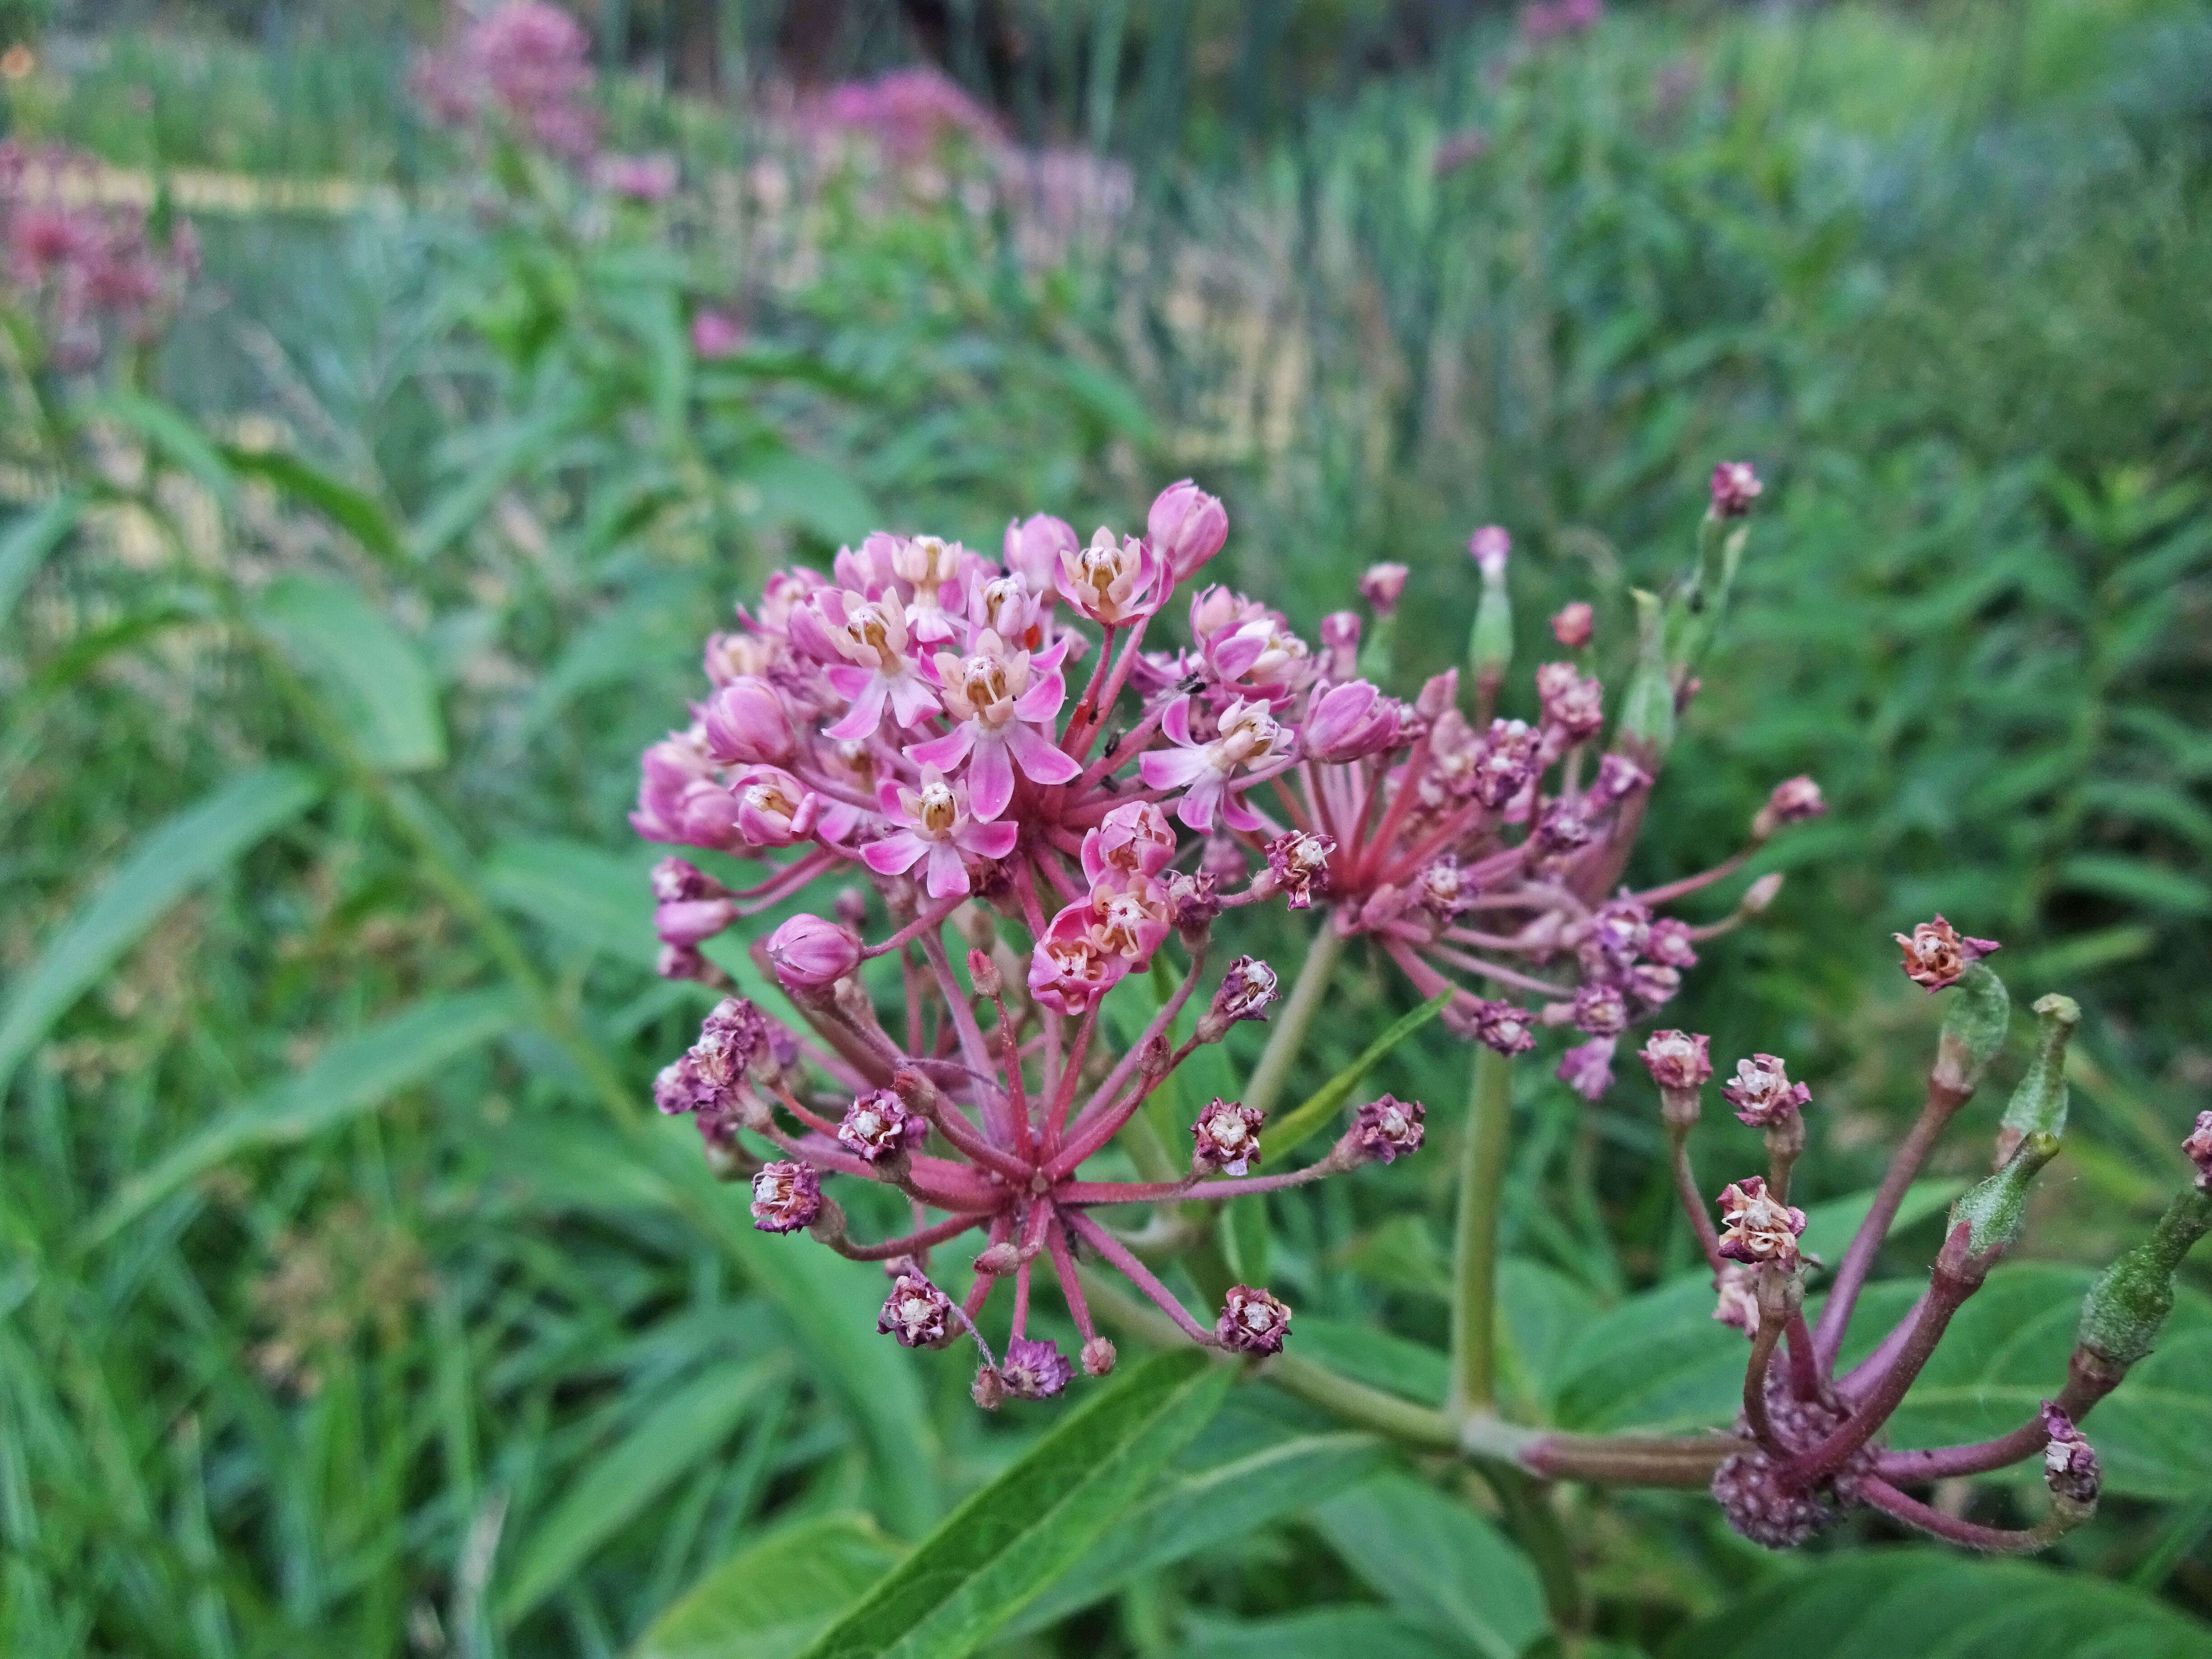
pixel 28 540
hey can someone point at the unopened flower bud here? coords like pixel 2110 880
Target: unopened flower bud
pixel 1381 586
pixel 1099 1356
pixel 745 725
pixel 1754 1227
pixel 1350 722
pixel 1488 547
pixel 1035 1369
pixel 2069 1464
pixel 1936 953
pixel 1489 642
pixel 1991 1211
pixel 1387 1128
pixel 1974 1030
pixel 1252 1321
pixel 2197 1147
pixel 786 1197
pixel 999 1259
pixel 990 1389
pixel 686 923
pixel 1227 1137
pixel 1573 624
pixel 1340 639
pixel 1792 802
pixel 1736 486
pixel 2038 1106
pixel 916 1312
pixel 877 1127
pixel 1439 693
pixel 1763 1094
pixel 1186 526
pixel 1760 896
pixel 983 974
pixel 810 953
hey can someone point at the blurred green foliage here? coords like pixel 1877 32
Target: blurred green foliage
pixel 342 1312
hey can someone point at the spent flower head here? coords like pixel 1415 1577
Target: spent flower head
pixel 1936 953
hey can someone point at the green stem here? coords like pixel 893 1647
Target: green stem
pixel 1286 1032
pixel 1535 1525
pixel 1474 1239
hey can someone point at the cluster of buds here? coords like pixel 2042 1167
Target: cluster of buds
pixel 907 720
pixel 1488 849
pixel 93 276
pixel 1809 1433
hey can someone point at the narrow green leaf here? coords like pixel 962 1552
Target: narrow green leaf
pixel 1014 1536
pixel 1318 1633
pixel 768 1601
pixel 597 898
pixel 350 509
pixel 1194 1510
pixel 1438 1562
pixel 796 488
pixel 370 671
pixel 2136 881
pixel 162 868
pixel 1883 1603
pixel 166 430
pixel 27 540
pixel 669 1442
pixel 356 1074
pixel 497 466
pixel 1303 1121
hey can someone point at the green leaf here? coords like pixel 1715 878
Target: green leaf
pixel 1317 1633
pixel 597 898
pixel 369 671
pixel 1014 1536
pixel 670 1442
pixel 162 868
pixel 1380 1358
pixel 2136 881
pixel 1829 1227
pixel 1193 1512
pixel 1303 1121
pixel 768 1600
pixel 353 1075
pixel 350 509
pixel 1883 1603
pixel 1438 1562
pixel 170 433
pixel 27 540
pixel 512 452
pixel 796 488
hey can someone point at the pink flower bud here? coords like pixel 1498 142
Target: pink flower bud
pixel 1340 639
pixel 786 1197
pixel 1035 1369
pixel 916 1313
pixel 688 921
pixel 1033 549
pixel 1763 1094
pixel 1252 1321
pixel 999 1259
pixel 1299 860
pixel 715 335
pixel 1386 1128
pixel 1350 722
pixel 1438 695
pixel 1099 1356
pixel 1227 1137
pixel 877 1125
pixel 1573 702
pixel 745 725
pixel 2197 1149
pixel 810 953
pixel 1936 953
pixel 1792 802
pixel 1677 1060
pixel 1488 547
pixel 1573 624
pixel 983 974
pixel 1186 527
pixel 1736 486
pixel 1381 586
pixel 1754 1228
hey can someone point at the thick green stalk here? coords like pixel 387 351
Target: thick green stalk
pixel 1474 1239
pixel 1287 1031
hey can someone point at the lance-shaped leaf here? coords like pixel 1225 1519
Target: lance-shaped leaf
pixel 1008 1541
pixel 29 539
pixel 1305 1120
pixel 767 1603
pixel 168 863
pixel 1439 1563
pixel 370 677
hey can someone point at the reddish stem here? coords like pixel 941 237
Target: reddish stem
pixel 1138 1274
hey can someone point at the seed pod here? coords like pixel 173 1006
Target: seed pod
pixel 2123 1310
pixel 2038 1105
pixel 1973 1030
pixel 1991 1211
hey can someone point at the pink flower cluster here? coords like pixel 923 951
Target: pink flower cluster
pixel 1549 20
pixel 92 275
pixel 524 67
pixel 909 112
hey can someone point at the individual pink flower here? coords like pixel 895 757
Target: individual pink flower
pixel 1227 1137
pixel 876 669
pixel 1387 1128
pixel 1754 1227
pixel 809 953
pixel 774 808
pixel 1003 702
pixel 1252 1321
pixel 786 1197
pixel 1936 953
pixel 715 335
pixel 1351 722
pixel 1488 547
pixel 1573 624
pixel 1247 736
pixel 1186 527
pixel 1134 839
pixel 1247 649
pixel 1035 548
pixel 1587 1068
pixel 1074 964
pixel 938 827
pixel 1381 586
pixel 1735 486
pixel 1763 1094
pixel 1677 1060
pixel 1116 581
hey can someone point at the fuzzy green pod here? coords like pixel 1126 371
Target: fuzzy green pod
pixel 1991 1211
pixel 2123 1310
pixel 1490 644
pixel 1647 711
pixel 1974 1029
pixel 2038 1105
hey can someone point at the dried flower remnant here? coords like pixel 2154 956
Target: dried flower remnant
pixel 1252 1321
pixel 786 1196
pixel 1227 1137
pixel 1755 1228
pixel 1936 953
pixel 1735 486
pixel 916 1312
pixel 1035 1369
pixel 1387 1128
pixel 2197 1147
pixel 1762 1093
